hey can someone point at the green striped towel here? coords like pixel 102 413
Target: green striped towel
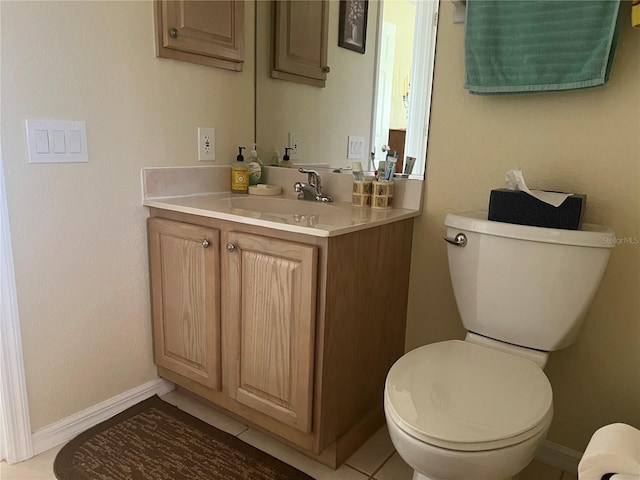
pixel 519 46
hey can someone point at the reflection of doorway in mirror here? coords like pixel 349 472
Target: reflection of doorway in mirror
pixel 413 58
pixel 394 61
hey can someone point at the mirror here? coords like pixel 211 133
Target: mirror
pixel 362 92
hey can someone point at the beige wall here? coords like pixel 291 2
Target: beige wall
pixel 78 230
pixel 583 141
pixel 323 117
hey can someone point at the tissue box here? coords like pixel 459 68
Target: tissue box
pixel 513 206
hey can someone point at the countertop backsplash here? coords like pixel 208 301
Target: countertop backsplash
pixel 160 182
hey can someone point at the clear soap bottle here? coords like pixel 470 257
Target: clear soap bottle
pixel 255 167
pixel 276 160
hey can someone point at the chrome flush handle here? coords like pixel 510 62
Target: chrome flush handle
pixel 460 240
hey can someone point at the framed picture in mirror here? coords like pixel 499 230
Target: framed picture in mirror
pixel 352 29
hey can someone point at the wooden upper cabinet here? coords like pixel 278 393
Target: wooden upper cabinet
pixel 270 318
pixel 185 263
pixel 203 32
pixel 301 33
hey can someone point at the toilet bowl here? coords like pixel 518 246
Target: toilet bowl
pixel 456 410
pixel 443 464
pixel 478 409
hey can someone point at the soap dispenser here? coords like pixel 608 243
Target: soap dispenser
pixel 255 167
pixel 240 174
pixel 276 160
pixel 285 159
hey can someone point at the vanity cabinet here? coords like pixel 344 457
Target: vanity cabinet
pixel 206 33
pixel 300 36
pixel 298 330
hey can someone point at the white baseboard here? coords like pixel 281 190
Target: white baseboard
pixel 64 430
pixel 560 457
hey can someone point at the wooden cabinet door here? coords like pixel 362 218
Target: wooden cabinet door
pixel 269 318
pixel 184 260
pixel 301 40
pixel 208 33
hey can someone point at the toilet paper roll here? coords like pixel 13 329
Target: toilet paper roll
pixel 612 449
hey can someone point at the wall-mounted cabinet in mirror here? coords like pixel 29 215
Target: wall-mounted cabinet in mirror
pixel 300 38
pixel 353 99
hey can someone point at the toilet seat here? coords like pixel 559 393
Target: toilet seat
pixel 467 397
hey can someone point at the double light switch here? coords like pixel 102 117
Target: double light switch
pixel 56 141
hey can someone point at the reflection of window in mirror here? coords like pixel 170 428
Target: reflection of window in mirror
pixel 406 50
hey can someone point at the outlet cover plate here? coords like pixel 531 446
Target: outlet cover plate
pixel 206 144
pixel 294 143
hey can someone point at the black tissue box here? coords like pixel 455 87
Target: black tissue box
pixel 513 206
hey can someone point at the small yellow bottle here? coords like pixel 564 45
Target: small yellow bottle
pixel 239 174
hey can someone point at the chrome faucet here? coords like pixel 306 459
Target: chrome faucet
pixel 312 190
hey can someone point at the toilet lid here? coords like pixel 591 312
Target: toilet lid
pixel 463 396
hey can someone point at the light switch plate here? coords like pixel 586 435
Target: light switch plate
pixel 355 148
pixel 57 141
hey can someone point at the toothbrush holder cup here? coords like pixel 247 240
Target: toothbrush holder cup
pixel 361 195
pixel 382 192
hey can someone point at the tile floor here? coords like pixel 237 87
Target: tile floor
pixel 375 460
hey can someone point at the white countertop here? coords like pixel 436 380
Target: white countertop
pixel 282 213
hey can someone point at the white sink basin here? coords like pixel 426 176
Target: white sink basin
pixel 281 206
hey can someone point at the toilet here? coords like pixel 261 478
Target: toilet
pixel 478 409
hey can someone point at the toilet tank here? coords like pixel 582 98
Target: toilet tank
pixel 529 286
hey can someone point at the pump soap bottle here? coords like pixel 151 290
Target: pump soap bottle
pixel 285 159
pixel 255 167
pixel 239 174
pixel 276 160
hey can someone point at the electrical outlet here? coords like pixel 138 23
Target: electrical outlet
pixel 356 147
pixel 206 144
pixel 294 143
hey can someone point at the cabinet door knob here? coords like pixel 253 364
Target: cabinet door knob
pixel 326 69
pixel 231 247
pixel 205 243
pixel 173 32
